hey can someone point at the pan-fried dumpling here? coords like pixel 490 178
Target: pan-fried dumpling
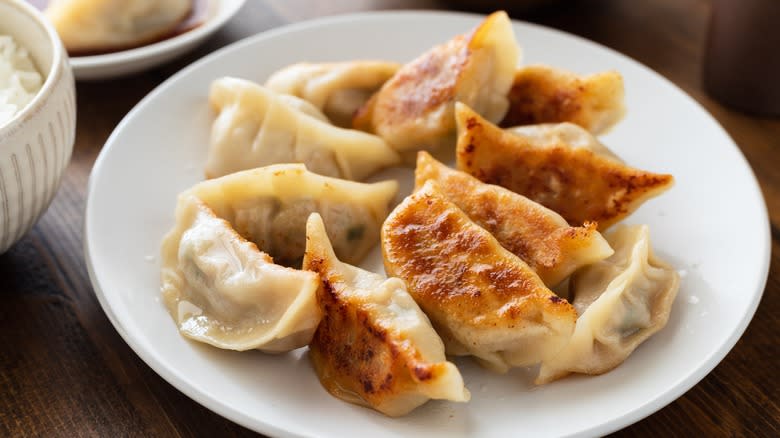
pixel 269 206
pixel 622 301
pixel 338 89
pixel 221 290
pixel 104 25
pixel 414 109
pixel 543 94
pixel 374 346
pixel 560 166
pixel 482 299
pixel 256 127
pixel 536 234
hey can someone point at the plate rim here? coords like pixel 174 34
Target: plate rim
pixel 643 410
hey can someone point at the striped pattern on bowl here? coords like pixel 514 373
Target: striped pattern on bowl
pixel 35 146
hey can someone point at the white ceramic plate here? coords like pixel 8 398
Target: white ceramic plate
pixel 142 58
pixel 712 225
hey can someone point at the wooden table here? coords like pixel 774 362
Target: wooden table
pixel 65 371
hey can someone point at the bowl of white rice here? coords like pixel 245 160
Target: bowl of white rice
pixel 37 117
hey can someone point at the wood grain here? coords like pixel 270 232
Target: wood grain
pixel 65 371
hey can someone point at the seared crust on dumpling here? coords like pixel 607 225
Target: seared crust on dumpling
pixel 536 234
pixel 483 300
pixel 374 346
pixel 559 166
pixel 543 94
pixel 414 109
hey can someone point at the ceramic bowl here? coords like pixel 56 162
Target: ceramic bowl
pixel 35 145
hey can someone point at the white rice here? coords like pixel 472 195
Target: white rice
pixel 19 80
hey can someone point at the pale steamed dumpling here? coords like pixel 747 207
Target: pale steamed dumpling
pixel 222 275
pixel 338 89
pixel 221 290
pixel 269 206
pixel 100 25
pixel 256 127
pixel 622 301
pixel 304 107
pixel 374 347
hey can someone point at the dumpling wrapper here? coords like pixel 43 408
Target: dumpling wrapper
pixel 269 206
pixel 622 301
pixel 536 234
pixel 105 25
pixel 543 94
pixel 560 166
pixel 219 280
pixel 374 347
pixel 221 290
pixel 256 127
pixel 482 299
pixel 338 89
pixel 304 106
pixel 414 109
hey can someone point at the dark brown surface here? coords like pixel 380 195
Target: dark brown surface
pixel 734 70
pixel 64 370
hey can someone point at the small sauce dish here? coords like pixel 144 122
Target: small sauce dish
pixel 216 14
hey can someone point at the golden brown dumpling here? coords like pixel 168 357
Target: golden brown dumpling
pixel 483 300
pixel 414 109
pixel 543 94
pixel 374 346
pixel 560 166
pixel 536 234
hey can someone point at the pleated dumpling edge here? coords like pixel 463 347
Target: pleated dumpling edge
pixel 221 290
pixel 622 300
pixel 256 127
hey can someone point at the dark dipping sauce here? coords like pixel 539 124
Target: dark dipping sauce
pixel 199 12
